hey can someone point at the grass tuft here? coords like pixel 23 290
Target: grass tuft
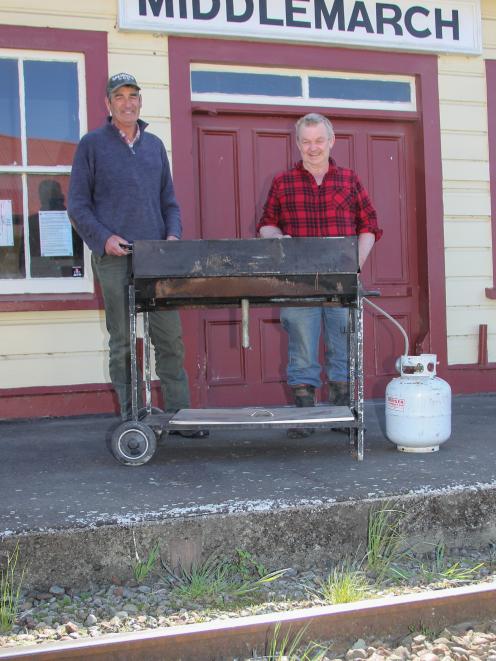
pixel 143 568
pixel 217 580
pixel 424 630
pixel 385 541
pixel 440 571
pixel 10 590
pixel 289 647
pixel 345 584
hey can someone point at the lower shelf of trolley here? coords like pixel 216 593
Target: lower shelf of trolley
pixel 254 417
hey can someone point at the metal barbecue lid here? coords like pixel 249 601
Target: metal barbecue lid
pixel 244 257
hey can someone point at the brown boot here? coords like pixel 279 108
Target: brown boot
pixel 339 393
pixel 304 396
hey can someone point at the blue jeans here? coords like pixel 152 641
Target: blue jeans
pixel 114 275
pixel 303 326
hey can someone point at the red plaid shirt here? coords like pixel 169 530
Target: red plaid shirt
pixel 340 206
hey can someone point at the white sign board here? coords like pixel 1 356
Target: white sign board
pixel 6 223
pixel 55 234
pixel 422 25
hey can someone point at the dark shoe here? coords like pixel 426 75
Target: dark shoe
pixel 200 433
pixel 304 396
pixel 339 393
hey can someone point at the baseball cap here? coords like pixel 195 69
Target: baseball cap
pixel 119 80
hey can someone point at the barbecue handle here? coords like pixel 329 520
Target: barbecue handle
pixel 245 323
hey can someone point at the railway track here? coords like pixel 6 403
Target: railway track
pixel 222 640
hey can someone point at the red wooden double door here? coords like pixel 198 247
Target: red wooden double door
pixel 235 157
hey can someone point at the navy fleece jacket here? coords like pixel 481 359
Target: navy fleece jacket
pixel 116 190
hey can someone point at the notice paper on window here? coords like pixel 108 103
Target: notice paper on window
pixel 6 224
pixel 55 234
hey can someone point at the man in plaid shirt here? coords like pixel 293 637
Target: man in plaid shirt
pixel 318 198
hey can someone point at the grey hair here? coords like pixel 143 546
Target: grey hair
pixel 312 119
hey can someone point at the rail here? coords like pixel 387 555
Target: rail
pixel 223 640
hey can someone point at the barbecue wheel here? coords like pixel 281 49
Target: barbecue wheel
pixel 133 443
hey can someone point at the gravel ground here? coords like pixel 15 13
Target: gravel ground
pixel 64 614
pixel 468 641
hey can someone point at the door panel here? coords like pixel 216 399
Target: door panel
pixel 236 157
pixel 225 365
pixel 387 156
pixel 219 178
pixel 385 335
pixel 392 268
pixel 344 150
pixel 273 152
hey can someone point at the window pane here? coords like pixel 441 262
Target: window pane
pixel 224 82
pixel 52 112
pixel 359 89
pixel 10 124
pixel 11 227
pixel 56 250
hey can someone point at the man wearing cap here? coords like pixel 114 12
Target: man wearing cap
pixel 121 190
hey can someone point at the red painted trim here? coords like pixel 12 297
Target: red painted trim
pixel 278 111
pixel 61 401
pixel 93 45
pixel 50 302
pixel 183 51
pixel 432 179
pixel 468 379
pixel 491 121
pixel 91 399
pixel 57 401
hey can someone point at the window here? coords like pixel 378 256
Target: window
pixel 217 83
pixel 41 123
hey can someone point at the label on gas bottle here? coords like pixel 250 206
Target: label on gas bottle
pixel 396 403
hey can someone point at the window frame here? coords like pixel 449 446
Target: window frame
pixel 93 48
pixel 306 98
pixel 32 284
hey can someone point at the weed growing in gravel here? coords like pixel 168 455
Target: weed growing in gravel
pixel 10 590
pixel 423 629
pixel 443 572
pixel 217 580
pixel 385 541
pixel 491 560
pixel 247 563
pixel 142 568
pixel 346 583
pixel 289 647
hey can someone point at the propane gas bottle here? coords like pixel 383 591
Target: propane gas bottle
pixel 418 406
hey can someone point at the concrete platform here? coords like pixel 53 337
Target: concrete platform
pixel 78 513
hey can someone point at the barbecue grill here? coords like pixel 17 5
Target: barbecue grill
pixel 241 272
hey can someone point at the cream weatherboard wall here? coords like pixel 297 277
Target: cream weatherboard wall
pixel 63 348
pixel 467 204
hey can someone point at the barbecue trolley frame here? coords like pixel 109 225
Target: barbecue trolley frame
pixel 241 272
